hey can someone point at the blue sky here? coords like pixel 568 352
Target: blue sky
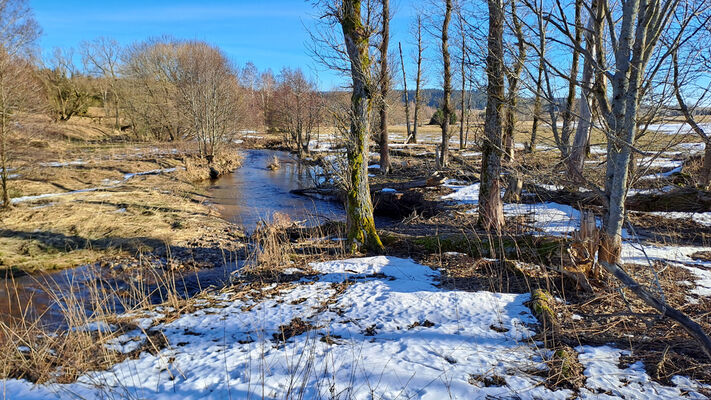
pixel 270 33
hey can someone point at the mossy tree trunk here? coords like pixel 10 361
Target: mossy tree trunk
pixel 491 214
pixel 359 208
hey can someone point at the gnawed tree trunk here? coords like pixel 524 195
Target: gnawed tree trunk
pixel 359 208
pixel 384 87
pixel 407 96
pixel 491 213
pixel 447 86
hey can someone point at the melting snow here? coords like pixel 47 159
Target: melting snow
pixel 392 333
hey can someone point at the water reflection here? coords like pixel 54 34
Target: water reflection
pixel 254 192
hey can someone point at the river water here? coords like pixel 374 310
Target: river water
pixel 250 194
pixel 254 192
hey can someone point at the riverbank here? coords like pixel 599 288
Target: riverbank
pixel 77 202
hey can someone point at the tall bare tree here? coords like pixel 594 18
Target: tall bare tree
pixel 297 109
pixel 576 161
pixel 447 84
pixel 208 94
pixel 491 214
pixel 102 57
pixel 418 77
pixel 407 95
pixel 463 71
pixel 514 77
pixel 353 49
pixel 384 83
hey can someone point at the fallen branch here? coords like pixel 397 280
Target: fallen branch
pixel 693 328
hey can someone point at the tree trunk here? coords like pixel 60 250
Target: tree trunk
pixel 418 80
pixel 359 208
pixel 491 214
pixel 446 107
pixel 3 162
pixel 568 114
pixel 462 141
pixel 578 152
pixel 384 86
pixel 514 78
pixel 537 105
pixel 407 96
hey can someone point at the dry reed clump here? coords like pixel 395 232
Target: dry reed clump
pixel 279 244
pixel 82 341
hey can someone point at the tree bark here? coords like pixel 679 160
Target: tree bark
pixel 359 208
pixel 447 87
pixel 491 214
pixel 384 87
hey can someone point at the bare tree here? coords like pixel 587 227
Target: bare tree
pixel 18 88
pixel 407 95
pixel 353 49
pixel 539 82
pixel 514 77
pixel 208 94
pixel 463 71
pixel 418 78
pixel 576 161
pixel 149 93
pixel 267 87
pixel 68 91
pixel 447 84
pixel 491 214
pixel 384 84
pixel 102 57
pixel 297 109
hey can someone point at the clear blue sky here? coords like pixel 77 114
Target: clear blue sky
pixel 270 33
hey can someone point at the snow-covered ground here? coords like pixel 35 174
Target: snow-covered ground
pixel 562 220
pixel 391 333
